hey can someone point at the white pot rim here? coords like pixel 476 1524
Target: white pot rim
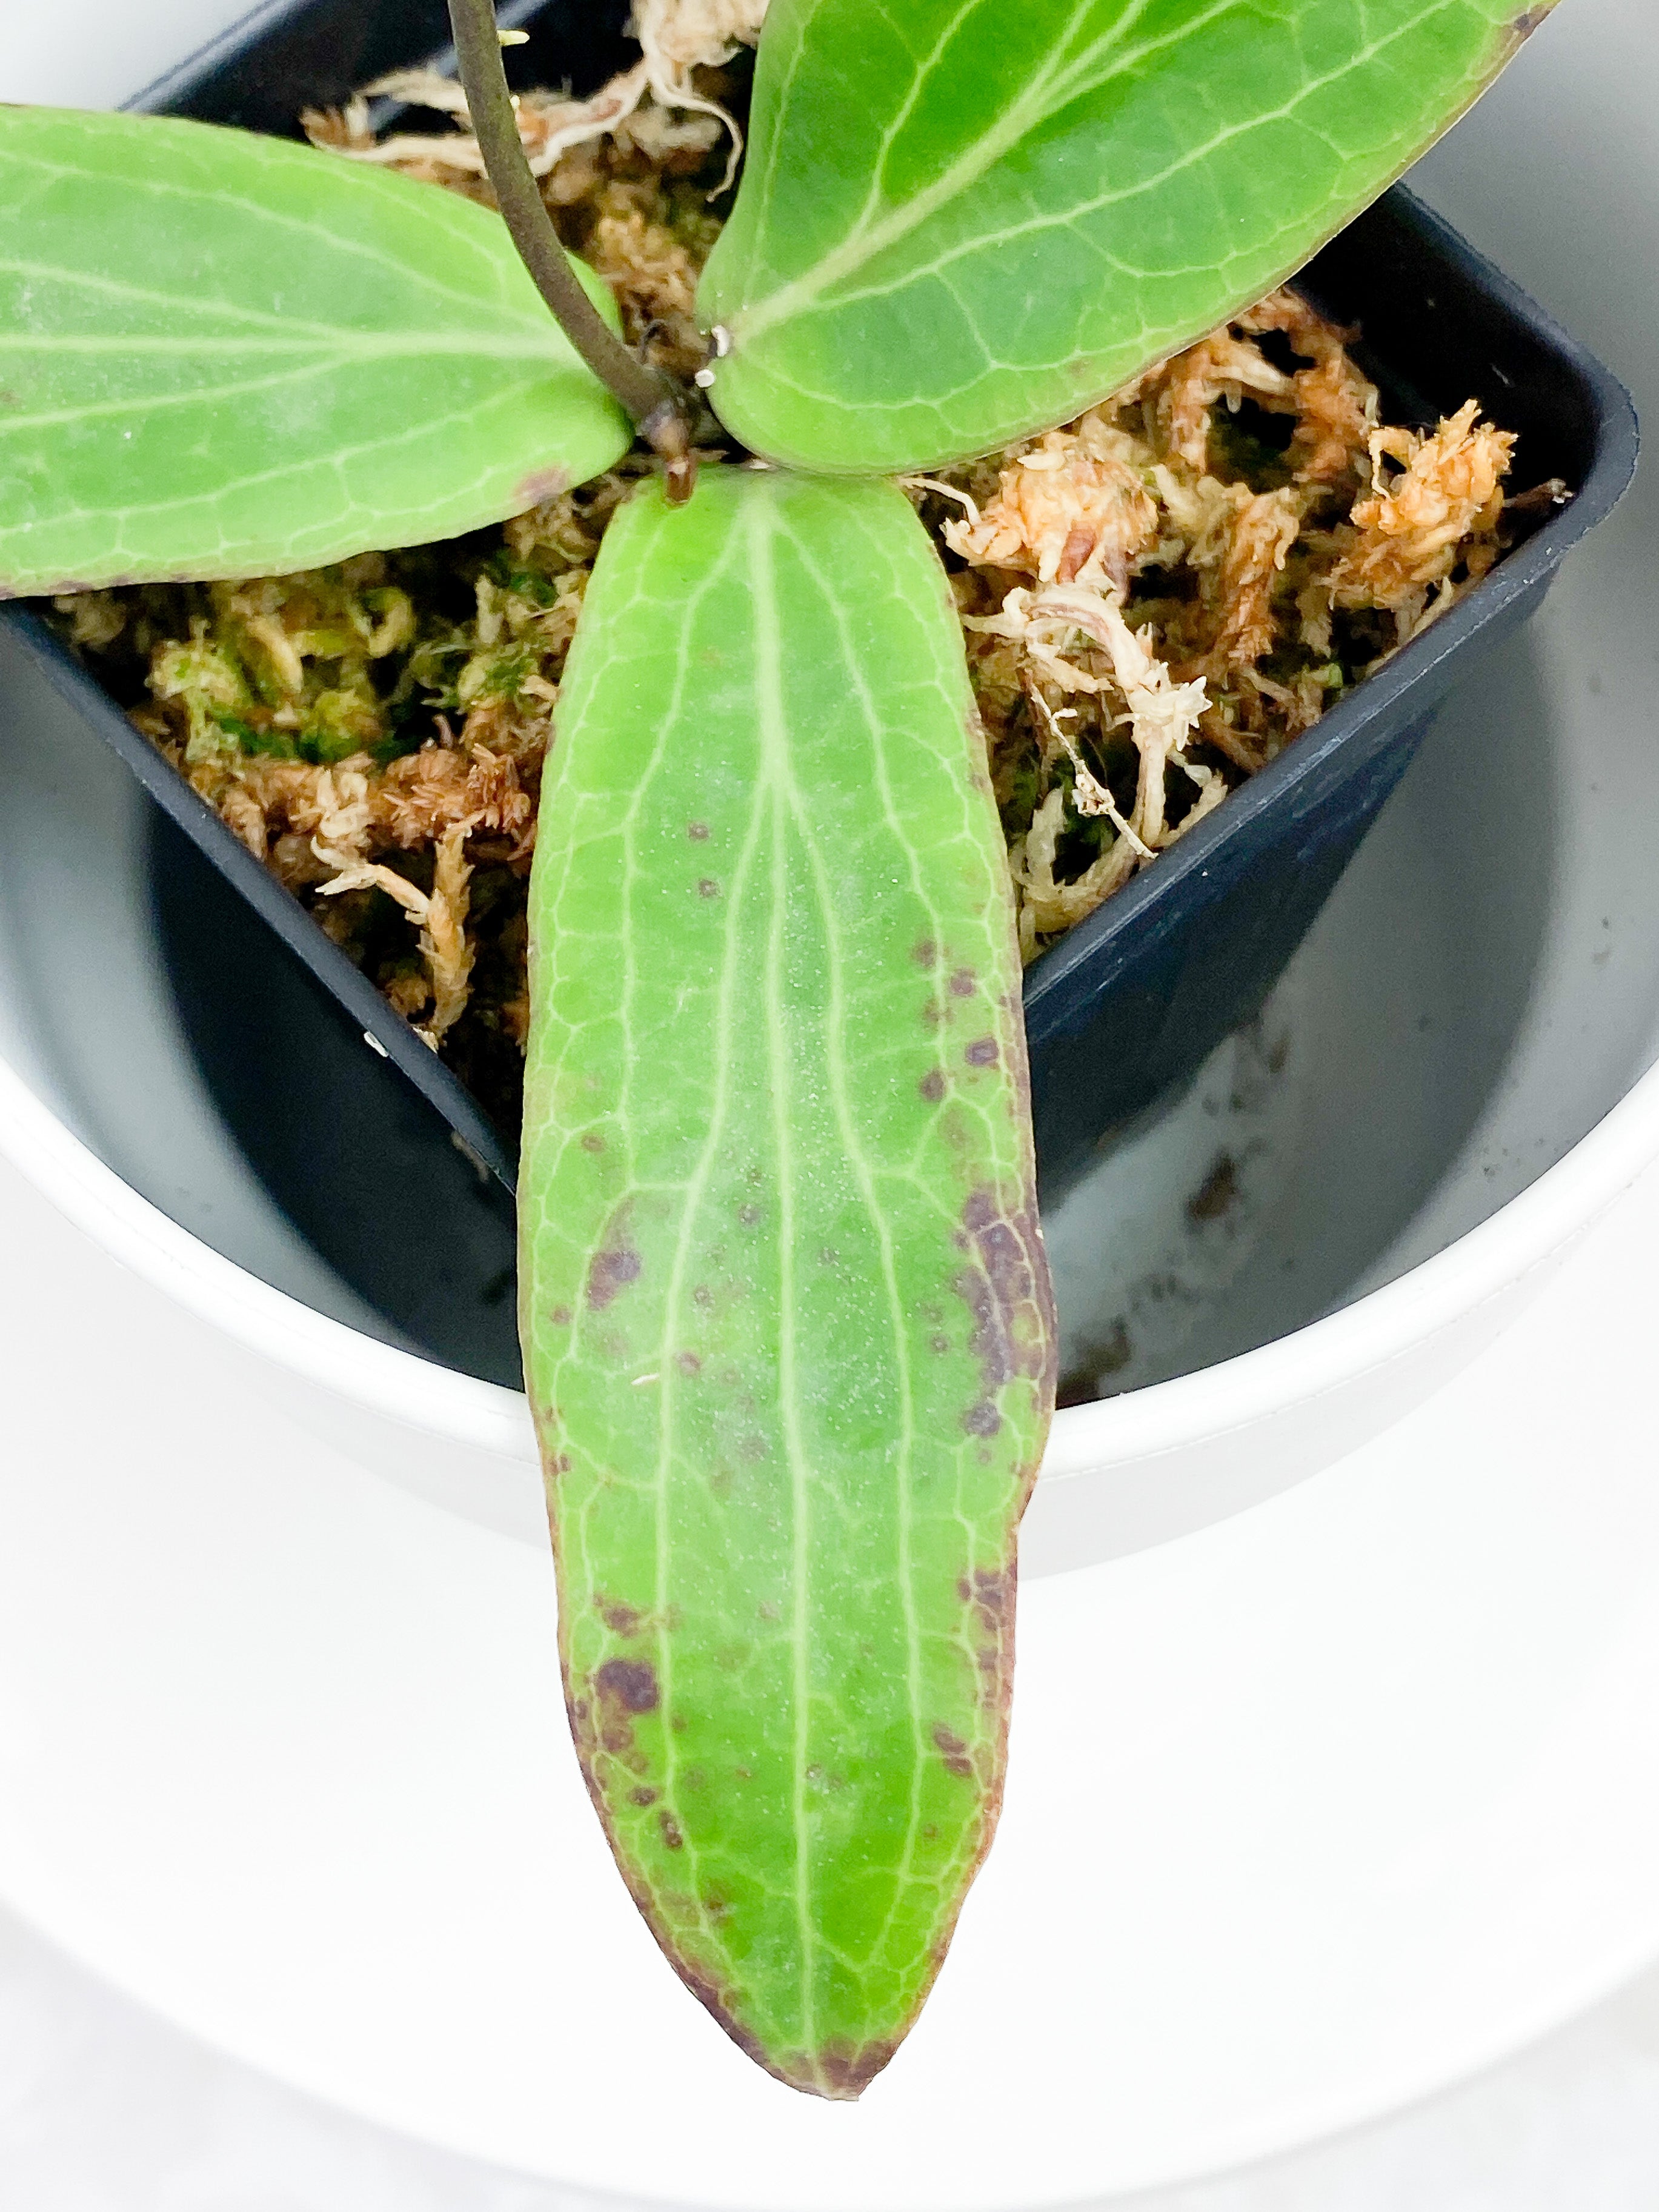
pixel 403 1386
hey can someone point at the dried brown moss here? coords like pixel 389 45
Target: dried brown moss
pixel 1162 596
pixel 1155 599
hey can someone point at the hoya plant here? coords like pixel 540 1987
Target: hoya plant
pixel 785 1315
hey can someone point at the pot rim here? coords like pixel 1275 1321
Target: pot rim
pixel 1210 1404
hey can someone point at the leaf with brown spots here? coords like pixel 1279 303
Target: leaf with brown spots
pixel 803 1396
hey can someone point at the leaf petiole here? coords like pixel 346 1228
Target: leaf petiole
pixel 661 411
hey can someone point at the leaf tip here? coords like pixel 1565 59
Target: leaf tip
pixel 840 2072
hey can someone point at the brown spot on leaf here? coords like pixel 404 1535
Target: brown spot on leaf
pixel 964 983
pixel 932 1085
pixel 670 1830
pixel 983 1420
pixel 982 1053
pixel 560 1316
pixel 559 1464
pixel 642 1795
pixel 629 1683
pixel 616 1263
pixel 990 1590
pixel 707 888
pixel 1008 1291
pixel 1529 19
pixel 748 1216
pixel 688 1363
pixel 698 831
pixel 540 484
pixel 926 954
pixel 845 2071
pixel 989 1593
pixel 953 1751
pixel 609 1272
pixel 592 1141
pixel 622 1690
pixel 621 1620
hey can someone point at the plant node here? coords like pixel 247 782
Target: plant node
pixel 667 431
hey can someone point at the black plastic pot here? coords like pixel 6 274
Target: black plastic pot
pixel 1125 1007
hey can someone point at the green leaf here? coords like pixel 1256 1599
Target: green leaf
pixel 788 1333
pixel 963 221
pixel 226 355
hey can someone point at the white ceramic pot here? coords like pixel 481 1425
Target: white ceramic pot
pixel 1270 1865
pixel 1482 992
pixel 1459 1018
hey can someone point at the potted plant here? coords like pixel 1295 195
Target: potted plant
pixel 784 1307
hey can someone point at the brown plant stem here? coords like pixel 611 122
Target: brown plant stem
pixel 660 410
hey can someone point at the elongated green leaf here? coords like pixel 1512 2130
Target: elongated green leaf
pixel 222 356
pixel 965 220
pixel 785 1308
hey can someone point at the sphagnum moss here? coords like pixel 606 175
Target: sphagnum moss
pixel 375 732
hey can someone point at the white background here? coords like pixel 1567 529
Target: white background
pixel 101 2106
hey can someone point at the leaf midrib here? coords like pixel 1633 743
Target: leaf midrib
pixel 1048 91
pixel 772 725
pixel 726 1024
pixel 836 1021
